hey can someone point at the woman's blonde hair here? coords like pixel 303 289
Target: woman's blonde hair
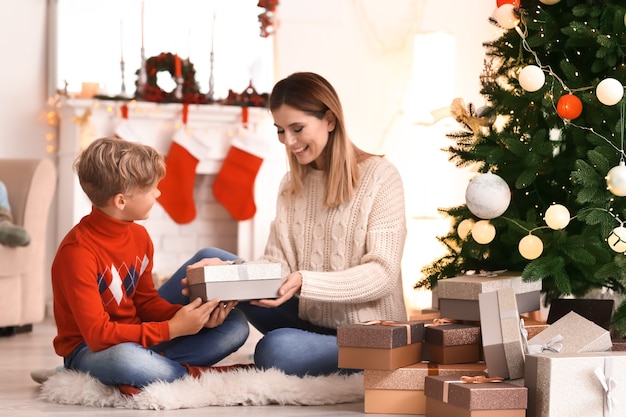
pixel 314 95
pixel 110 166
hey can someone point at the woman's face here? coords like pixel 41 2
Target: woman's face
pixel 303 135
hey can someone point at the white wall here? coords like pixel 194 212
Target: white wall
pixel 364 47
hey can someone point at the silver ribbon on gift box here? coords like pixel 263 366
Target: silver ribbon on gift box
pixel 609 384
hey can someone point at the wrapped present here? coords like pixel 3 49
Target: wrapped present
pixel 570 334
pixel 452 343
pixel 402 391
pixel 380 344
pixel 235 282
pixel 589 384
pixel 448 396
pixel 503 345
pixel 458 296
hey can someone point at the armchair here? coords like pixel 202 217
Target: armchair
pixel 31 184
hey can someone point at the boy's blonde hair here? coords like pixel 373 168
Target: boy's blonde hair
pixel 110 166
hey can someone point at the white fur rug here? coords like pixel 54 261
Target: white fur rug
pixel 237 387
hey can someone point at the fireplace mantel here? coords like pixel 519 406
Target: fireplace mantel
pixel 83 120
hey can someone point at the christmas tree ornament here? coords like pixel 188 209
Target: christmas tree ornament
pixel 531 78
pixel 549 2
pixel 487 196
pixel 464 228
pixel 557 217
pixel 530 247
pixel 609 91
pixel 617 239
pixel 616 180
pixel 569 107
pixel 483 232
pixel 506 16
pixel 234 183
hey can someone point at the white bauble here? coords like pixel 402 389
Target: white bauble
pixel 616 180
pixel 464 228
pixel 506 16
pixel 530 247
pixel 610 91
pixel 557 217
pixel 531 78
pixel 617 239
pixel 487 196
pixel 549 2
pixel 483 232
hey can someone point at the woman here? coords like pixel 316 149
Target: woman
pixel 339 234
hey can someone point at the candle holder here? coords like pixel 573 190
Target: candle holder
pixel 178 93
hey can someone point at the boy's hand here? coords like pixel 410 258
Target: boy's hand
pixel 219 313
pixel 191 318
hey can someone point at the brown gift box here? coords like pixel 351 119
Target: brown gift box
pixel 380 334
pixel 452 343
pixel 235 282
pixel 402 391
pixel 534 327
pixel 458 296
pixel 380 344
pixel 446 396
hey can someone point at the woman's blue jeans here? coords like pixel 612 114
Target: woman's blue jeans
pixel 132 364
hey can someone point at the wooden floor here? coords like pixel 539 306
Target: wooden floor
pixel 22 353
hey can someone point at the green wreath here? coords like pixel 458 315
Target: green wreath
pixel 166 61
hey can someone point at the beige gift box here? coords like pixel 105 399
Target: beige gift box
pixel 573 384
pixel 235 282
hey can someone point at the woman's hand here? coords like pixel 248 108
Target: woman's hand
pixel 290 287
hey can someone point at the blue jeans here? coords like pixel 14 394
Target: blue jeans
pixel 4 198
pixel 132 364
pixel 289 344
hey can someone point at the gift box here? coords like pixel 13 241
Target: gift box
pixel 380 344
pixel 619 345
pixel 573 384
pixel 235 282
pixel 452 343
pixel 570 334
pixel 458 296
pixel 534 327
pixel 448 396
pixel 503 346
pixel 402 391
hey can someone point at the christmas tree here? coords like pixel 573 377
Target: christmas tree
pixel 553 131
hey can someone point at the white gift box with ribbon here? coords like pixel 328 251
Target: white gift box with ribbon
pixel 247 281
pixel 589 384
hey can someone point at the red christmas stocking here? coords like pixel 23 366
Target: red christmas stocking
pixel 177 185
pixel 234 184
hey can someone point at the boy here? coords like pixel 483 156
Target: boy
pixel 111 321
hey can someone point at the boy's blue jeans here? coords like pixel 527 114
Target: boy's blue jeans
pixel 132 364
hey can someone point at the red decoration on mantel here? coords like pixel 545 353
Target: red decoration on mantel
pixel 249 97
pixel 267 18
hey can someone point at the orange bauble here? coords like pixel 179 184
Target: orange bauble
pixel 515 3
pixel 569 107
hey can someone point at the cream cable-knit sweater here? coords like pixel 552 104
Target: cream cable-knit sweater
pixel 349 256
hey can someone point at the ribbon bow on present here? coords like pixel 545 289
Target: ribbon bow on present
pixel 440 321
pixel 407 326
pixel 480 379
pixel 609 384
pixel 552 345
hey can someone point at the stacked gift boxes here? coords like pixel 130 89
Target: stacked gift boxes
pixel 390 353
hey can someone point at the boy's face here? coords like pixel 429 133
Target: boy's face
pixel 139 204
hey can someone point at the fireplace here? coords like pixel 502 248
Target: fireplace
pixel 83 120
